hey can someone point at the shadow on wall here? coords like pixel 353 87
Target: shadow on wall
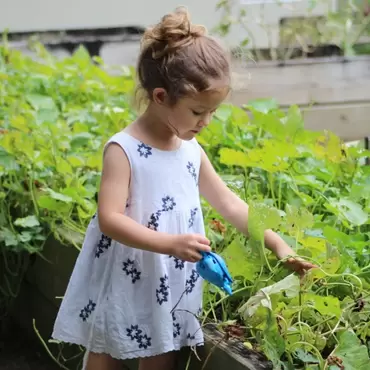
pixel 114 46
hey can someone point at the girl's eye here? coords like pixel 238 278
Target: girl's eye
pixel 197 113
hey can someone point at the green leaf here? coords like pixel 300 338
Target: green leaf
pixel 290 285
pixel 293 123
pixel 20 123
pixel 354 354
pixel 298 219
pixel 224 112
pixel 232 157
pixel 58 196
pixel 25 236
pixel 7 161
pixel 262 217
pixel 273 345
pixel 348 210
pixel 39 102
pixel 262 105
pixel 306 357
pixel 81 139
pixel 63 166
pixel 326 306
pixel 8 237
pixel 239 261
pixel 47 115
pixel 336 237
pixel 76 161
pixel 82 57
pixel 48 203
pixel 29 221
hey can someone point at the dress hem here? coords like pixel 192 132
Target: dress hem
pixel 125 355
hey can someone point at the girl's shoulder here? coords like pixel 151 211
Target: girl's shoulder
pixel 137 150
pixel 128 144
pixel 121 137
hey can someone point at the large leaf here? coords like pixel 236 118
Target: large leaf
pixel 29 221
pixel 239 261
pixel 354 355
pixel 348 210
pixel 326 306
pixel 290 285
pixel 41 102
pixel 262 217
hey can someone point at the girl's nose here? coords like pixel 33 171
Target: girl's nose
pixel 205 121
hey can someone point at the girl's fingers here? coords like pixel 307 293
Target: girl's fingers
pixel 195 256
pixel 204 248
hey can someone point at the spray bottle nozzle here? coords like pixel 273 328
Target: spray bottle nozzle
pixel 213 269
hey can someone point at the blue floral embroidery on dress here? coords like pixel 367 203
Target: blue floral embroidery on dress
pixel 179 264
pixel 162 292
pixel 191 170
pixel 154 218
pixel 104 243
pixel 144 150
pixel 176 326
pixel 193 213
pixel 130 270
pixel 87 310
pixel 190 283
pixel 168 204
pixel 135 334
pixel 145 342
pixel 191 337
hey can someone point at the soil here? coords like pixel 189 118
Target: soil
pixel 19 353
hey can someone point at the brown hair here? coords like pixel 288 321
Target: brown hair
pixel 179 57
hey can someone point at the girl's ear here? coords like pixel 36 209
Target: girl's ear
pixel 160 96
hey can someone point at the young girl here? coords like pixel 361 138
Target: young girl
pixel 138 257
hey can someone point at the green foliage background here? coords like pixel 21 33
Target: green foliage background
pixel 56 115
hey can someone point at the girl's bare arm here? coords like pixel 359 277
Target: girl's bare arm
pixel 232 208
pixel 112 200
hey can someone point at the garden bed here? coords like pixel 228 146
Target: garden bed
pixel 334 93
pixel 307 186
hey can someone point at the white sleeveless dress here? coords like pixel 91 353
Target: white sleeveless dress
pixel 119 299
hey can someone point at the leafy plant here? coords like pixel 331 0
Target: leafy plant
pixel 309 187
pixel 54 117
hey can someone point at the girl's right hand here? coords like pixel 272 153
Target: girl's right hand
pixel 187 247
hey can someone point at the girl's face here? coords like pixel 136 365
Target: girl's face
pixel 191 114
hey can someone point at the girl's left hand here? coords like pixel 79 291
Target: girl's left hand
pixel 291 260
pixel 299 265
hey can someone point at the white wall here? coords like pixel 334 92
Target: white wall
pixel 39 15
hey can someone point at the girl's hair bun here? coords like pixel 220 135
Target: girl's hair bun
pixel 179 57
pixel 174 32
